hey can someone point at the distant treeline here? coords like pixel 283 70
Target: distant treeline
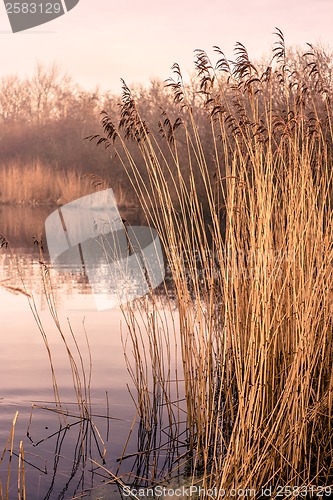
pixel 45 119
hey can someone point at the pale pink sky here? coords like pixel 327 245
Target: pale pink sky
pixel 101 41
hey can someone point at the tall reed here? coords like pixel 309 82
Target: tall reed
pixel 9 449
pixel 248 238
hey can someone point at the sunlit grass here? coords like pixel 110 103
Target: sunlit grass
pixel 246 227
pixel 36 183
pixel 247 232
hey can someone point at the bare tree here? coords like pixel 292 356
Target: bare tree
pixel 14 99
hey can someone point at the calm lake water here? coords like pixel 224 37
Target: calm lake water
pixel 58 449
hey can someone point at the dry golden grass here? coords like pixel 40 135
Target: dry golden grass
pixel 37 183
pixel 251 263
pixel 247 232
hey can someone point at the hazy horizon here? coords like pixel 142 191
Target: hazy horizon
pixel 98 43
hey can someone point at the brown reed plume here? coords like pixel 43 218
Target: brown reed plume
pixel 245 220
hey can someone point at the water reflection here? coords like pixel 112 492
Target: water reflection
pixel 26 380
pixel 53 380
pixel 21 224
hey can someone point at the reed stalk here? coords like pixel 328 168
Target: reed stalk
pixel 246 228
pixel 36 183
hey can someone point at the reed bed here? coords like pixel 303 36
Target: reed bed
pixel 248 238
pixel 150 348
pixel 38 183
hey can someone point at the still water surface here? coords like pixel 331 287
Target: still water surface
pixel 56 447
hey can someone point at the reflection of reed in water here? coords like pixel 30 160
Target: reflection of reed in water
pixel 23 265
pixel 20 224
pixel 75 442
